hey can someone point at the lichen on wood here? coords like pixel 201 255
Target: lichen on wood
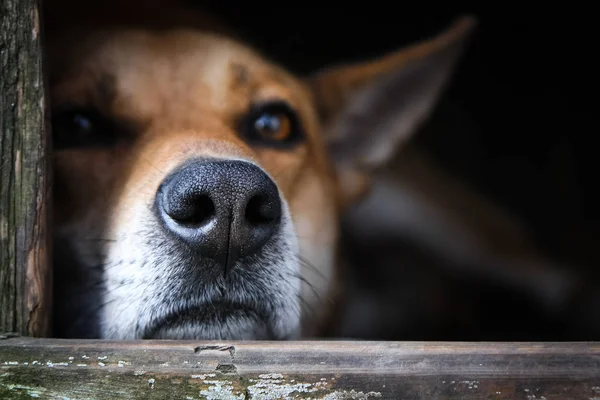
pixel 24 272
pixel 96 369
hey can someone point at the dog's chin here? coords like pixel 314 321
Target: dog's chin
pixel 212 322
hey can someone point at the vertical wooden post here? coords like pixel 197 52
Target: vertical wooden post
pixel 25 275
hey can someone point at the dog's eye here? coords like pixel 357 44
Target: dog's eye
pixel 81 128
pixel 273 124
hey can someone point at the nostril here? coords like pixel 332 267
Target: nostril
pixel 195 210
pixel 261 210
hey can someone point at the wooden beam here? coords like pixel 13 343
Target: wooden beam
pixel 78 369
pixel 24 271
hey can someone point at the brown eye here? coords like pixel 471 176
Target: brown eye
pixel 273 124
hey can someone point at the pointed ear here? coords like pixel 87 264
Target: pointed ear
pixel 369 109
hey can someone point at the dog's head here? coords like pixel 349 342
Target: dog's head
pixel 198 186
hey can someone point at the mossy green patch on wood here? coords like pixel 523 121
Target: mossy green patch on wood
pixel 74 382
pixel 79 383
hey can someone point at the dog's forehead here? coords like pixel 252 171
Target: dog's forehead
pixel 150 73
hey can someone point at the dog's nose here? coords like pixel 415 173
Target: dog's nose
pixel 225 210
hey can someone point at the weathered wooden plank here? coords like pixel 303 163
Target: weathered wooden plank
pixel 297 370
pixel 24 272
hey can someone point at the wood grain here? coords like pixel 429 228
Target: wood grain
pixel 24 272
pixel 297 370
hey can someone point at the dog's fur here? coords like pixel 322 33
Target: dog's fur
pixel 174 86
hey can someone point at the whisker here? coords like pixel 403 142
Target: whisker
pixel 308 265
pixel 95 240
pixel 310 285
pixel 279 174
pixel 89 288
pixel 146 159
pixel 314 243
pixel 90 312
pixel 305 306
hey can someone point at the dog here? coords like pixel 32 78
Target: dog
pixel 198 187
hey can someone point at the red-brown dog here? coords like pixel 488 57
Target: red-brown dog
pixel 198 185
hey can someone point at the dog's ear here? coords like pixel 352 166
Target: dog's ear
pixel 369 109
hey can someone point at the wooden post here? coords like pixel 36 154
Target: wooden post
pixel 25 276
